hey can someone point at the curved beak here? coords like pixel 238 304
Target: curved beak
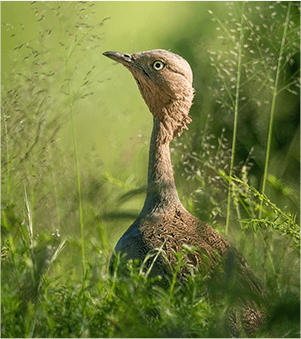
pixel 123 58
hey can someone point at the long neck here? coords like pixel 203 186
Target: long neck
pixel 161 188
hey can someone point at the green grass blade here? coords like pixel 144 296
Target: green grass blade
pixel 239 63
pixel 275 92
pixel 78 188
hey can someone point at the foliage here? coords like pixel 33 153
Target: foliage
pixel 51 226
pixel 260 56
pixel 101 305
pixel 35 110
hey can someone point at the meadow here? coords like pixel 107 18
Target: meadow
pixel 75 136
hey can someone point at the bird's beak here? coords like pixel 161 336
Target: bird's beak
pixel 123 58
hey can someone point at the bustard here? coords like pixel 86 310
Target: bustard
pixel 165 83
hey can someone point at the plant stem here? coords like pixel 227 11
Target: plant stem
pixel 30 228
pixel 7 159
pixel 70 96
pixel 78 181
pixel 235 117
pixel 55 190
pixel 275 92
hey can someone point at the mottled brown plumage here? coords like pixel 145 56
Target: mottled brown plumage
pixel 165 82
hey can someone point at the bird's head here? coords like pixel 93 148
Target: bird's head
pixel 165 82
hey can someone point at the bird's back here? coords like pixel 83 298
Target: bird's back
pixel 176 229
pixel 172 231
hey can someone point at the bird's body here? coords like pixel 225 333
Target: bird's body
pixel 165 82
pixel 163 218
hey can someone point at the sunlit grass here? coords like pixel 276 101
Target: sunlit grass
pixel 239 61
pixel 78 174
pixel 54 201
pixel 275 91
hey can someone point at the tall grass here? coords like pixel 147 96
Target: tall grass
pixel 275 92
pixel 244 85
pixel 239 60
pixel 245 38
pixel 46 242
pixel 245 74
pixel 69 51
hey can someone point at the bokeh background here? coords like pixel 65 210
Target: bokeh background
pixel 74 153
pixel 52 67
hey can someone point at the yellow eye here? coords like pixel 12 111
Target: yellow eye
pixel 158 65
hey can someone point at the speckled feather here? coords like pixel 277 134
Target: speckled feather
pixel 164 222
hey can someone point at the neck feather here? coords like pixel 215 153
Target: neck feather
pixel 161 189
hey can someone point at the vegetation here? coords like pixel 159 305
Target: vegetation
pixel 62 211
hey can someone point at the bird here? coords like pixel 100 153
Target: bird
pixel 165 81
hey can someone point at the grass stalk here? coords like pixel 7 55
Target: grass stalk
pixel 235 118
pixel 55 191
pixel 7 159
pixel 275 93
pixel 71 111
pixel 29 214
pixel 159 251
pixel 78 179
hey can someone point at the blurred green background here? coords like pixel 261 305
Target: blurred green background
pixel 45 72
pixel 112 119
pixel 74 153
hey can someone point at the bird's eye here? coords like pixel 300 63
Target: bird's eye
pixel 158 65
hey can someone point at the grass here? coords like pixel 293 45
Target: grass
pixel 239 61
pixel 56 248
pixel 71 50
pixel 275 92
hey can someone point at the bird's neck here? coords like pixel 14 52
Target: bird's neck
pixel 161 188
